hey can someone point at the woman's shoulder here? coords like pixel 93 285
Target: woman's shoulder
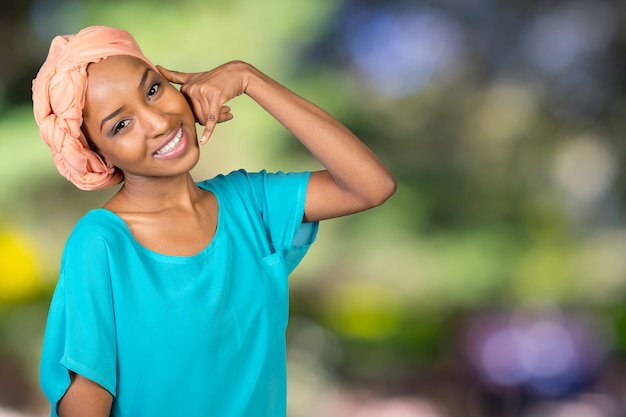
pixel 231 179
pixel 98 222
pixel 254 180
pixel 97 217
pixel 234 186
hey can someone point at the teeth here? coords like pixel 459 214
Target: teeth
pixel 172 144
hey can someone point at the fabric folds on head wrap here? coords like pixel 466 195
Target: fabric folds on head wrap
pixel 59 98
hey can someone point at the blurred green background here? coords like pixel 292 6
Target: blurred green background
pixel 492 284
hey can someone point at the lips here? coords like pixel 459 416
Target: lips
pixel 173 147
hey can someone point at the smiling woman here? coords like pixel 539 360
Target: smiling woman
pixel 137 121
pixel 172 298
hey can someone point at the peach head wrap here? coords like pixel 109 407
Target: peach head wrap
pixel 59 98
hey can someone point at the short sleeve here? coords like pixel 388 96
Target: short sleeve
pixel 282 197
pixel 80 330
pixel 279 198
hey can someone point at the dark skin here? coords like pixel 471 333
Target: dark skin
pixel 145 127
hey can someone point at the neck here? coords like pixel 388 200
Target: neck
pixel 155 194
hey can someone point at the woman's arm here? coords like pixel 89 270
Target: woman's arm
pixel 85 398
pixel 353 180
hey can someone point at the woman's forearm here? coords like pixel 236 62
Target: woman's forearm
pixel 85 398
pixel 350 163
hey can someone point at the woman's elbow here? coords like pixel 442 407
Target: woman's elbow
pixel 384 190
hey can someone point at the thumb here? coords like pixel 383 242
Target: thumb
pixel 175 77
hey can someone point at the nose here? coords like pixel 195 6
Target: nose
pixel 156 122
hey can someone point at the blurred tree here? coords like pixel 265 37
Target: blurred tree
pixel 20 53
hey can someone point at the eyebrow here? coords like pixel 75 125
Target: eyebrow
pixel 110 116
pixel 144 77
pixel 142 82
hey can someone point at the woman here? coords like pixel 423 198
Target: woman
pixel 172 297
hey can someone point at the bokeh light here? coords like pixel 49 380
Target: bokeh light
pixel 549 353
pixel 491 284
pixel 20 273
pixel 404 50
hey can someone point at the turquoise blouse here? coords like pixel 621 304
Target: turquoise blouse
pixel 202 335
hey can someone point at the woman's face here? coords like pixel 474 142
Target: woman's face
pixel 137 120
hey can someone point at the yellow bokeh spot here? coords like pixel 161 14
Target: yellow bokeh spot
pixel 364 310
pixel 19 278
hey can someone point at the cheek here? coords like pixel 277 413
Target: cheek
pixel 121 151
pixel 178 101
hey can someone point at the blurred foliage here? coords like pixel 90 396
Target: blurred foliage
pixel 502 121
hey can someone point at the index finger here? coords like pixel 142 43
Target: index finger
pixel 175 77
pixel 208 128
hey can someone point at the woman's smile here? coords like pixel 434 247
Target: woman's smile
pixel 172 147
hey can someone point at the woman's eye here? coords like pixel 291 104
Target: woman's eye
pixel 120 126
pixel 153 89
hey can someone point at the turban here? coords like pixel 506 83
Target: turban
pixel 59 98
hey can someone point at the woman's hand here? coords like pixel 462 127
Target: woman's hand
pixel 208 92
